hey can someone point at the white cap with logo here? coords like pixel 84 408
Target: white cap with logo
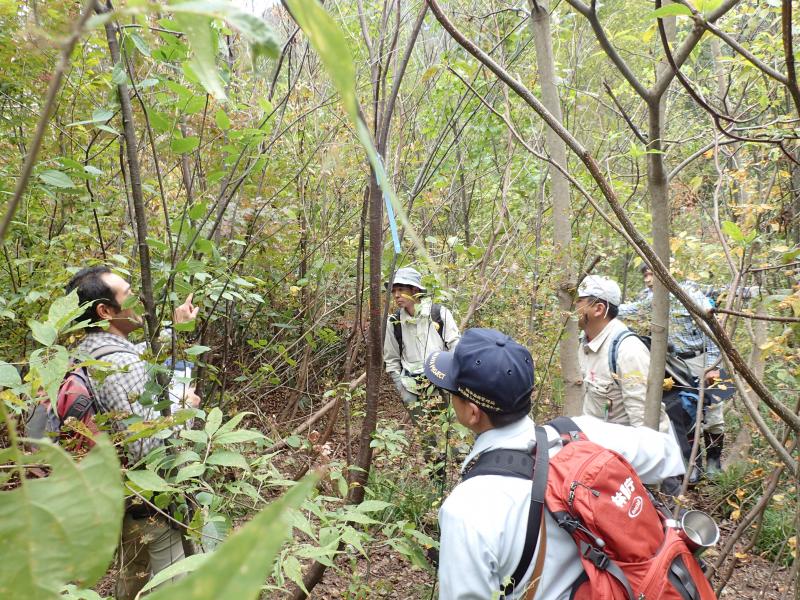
pixel 601 288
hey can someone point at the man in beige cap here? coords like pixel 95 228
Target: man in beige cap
pixel 617 397
pixel 416 329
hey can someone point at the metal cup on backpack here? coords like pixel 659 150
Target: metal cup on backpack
pixel 698 530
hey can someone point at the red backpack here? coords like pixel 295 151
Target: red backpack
pixel 77 399
pixel 630 547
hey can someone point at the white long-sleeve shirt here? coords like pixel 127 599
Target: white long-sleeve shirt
pixel 483 521
pixel 420 338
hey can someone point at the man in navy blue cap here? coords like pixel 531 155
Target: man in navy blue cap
pixel 490 378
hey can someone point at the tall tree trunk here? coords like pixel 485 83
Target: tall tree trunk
pixel 562 230
pixel 658 187
pixel 374 341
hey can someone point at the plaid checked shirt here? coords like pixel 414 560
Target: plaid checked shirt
pixel 120 390
pixel 684 335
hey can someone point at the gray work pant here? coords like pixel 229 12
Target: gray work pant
pixel 148 545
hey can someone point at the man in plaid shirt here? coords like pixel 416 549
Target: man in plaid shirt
pixel 149 542
pixel 699 351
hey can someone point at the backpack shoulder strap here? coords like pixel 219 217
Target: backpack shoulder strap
pixel 436 317
pixel 566 428
pixel 397 327
pixel 107 349
pixel 614 350
pixel 522 464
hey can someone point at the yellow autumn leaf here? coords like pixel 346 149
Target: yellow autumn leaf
pixel 741 555
pixel 736 515
pixel 740 493
pixel 668 383
pixel 792 541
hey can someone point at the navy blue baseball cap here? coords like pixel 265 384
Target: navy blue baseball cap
pixel 487 368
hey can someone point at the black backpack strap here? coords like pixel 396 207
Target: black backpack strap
pixel 565 426
pixel 521 464
pixel 504 462
pixel 536 512
pixel 397 327
pixel 80 407
pixel 436 317
pixel 614 350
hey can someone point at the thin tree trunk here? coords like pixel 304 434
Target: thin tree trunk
pixel 658 187
pixel 562 230
pixel 137 195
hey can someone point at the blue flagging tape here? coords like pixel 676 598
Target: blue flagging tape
pixel 392 224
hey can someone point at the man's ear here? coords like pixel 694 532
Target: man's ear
pixel 104 311
pixel 473 414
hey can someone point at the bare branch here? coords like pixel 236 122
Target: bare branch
pixel 749 315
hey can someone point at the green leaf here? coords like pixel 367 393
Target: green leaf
pixel 330 44
pixel 186 565
pixel 240 436
pixel 203 40
pixel 671 10
pixel 189 471
pixel 140 44
pixel 101 115
pixel 147 480
pixel 198 437
pixel 57 179
pixel 44 333
pixel 62 528
pixel 372 506
pixel 231 424
pixel 9 376
pixel 225 458
pixel 357 517
pixel 118 75
pixel 108 129
pixel 197 350
pixel 733 231
pixel 706 6
pixel 158 121
pixel 238 568
pixel 64 310
pixel 213 421
pixel 48 367
pixel 293 570
pixel 198 211
pixel 223 122
pixel 254 29
pixel 184 145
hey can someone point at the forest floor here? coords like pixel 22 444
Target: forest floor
pixel 388 574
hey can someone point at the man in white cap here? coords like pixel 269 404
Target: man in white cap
pixel 614 397
pixel 416 329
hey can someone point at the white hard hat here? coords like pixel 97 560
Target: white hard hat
pixel 601 288
pixel 408 276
